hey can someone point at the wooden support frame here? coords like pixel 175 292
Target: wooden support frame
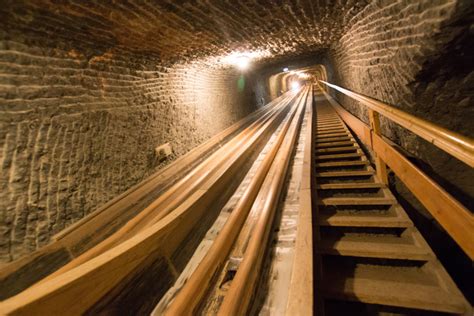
pixel 450 214
pixel 380 166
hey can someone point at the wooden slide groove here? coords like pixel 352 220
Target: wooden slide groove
pixel 189 297
pixel 72 290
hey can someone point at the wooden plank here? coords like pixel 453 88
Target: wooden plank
pixel 333 139
pixel 342 163
pixel 374 285
pixel 380 166
pixel 349 185
pixel 238 297
pixel 190 295
pixel 300 297
pixel 337 149
pixel 338 156
pixel 328 135
pixel 345 173
pixel 357 201
pixel 406 247
pixel 333 144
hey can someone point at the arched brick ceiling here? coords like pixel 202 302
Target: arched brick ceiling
pixel 189 30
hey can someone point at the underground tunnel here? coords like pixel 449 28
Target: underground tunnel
pixel 218 157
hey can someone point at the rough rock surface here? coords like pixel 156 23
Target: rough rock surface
pixel 88 90
pixel 416 55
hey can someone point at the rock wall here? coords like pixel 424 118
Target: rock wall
pixel 79 126
pixel 417 55
pixel 414 55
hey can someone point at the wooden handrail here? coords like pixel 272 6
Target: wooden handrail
pixel 455 144
pixel 448 212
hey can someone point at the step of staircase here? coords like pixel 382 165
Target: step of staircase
pixel 409 245
pixel 334 144
pixel 391 217
pixel 321 134
pixel 339 156
pixel 357 201
pixel 371 252
pixel 337 149
pixel 332 139
pixel 345 173
pixel 403 286
pixel 342 163
pixel 349 185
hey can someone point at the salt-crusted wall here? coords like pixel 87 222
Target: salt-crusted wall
pixel 416 55
pixel 78 126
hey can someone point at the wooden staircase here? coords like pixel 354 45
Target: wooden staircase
pixel 371 253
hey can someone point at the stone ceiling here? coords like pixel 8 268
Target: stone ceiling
pixel 174 31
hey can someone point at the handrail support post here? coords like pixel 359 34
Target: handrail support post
pixel 380 166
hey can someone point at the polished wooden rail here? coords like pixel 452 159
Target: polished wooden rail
pixel 189 297
pixel 301 294
pixel 82 286
pixel 450 214
pixel 175 195
pixel 97 226
pixel 455 144
pixel 238 298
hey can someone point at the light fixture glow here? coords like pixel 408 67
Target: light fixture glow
pixel 241 59
pixel 295 85
pixel 303 75
pixel 285 69
pixel 242 62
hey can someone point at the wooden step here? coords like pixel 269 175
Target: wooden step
pixel 332 134
pixel 328 118
pixel 407 287
pixel 345 173
pixel 336 149
pixel 334 144
pixel 332 139
pixel 339 156
pixel 329 125
pixel 330 129
pixel 342 163
pixel 357 201
pixel 391 218
pixel 349 185
pixel 409 246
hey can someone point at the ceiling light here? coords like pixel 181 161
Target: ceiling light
pixel 242 62
pixel 295 85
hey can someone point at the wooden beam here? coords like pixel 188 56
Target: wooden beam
pixel 300 296
pixel 380 166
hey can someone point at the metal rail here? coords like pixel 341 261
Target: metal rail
pixel 455 144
